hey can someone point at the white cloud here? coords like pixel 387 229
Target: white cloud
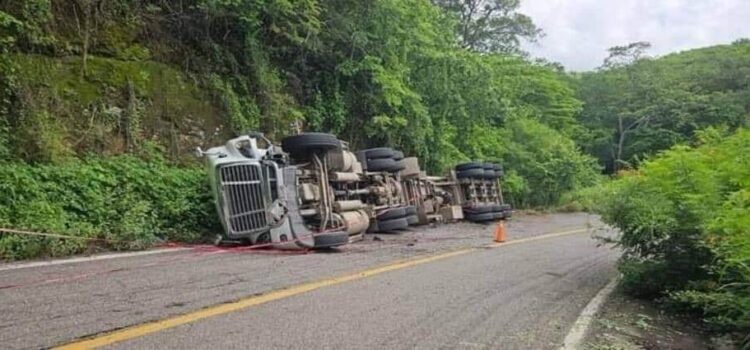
pixel 579 32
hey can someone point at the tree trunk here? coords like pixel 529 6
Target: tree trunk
pixel 83 22
pixel 620 143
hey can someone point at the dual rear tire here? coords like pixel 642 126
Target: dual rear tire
pixel 396 219
pixel 383 159
pixel 490 212
pixel 303 145
pixel 479 171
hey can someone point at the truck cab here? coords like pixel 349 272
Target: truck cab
pixel 256 190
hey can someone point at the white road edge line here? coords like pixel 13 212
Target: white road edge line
pixel 574 339
pixel 88 258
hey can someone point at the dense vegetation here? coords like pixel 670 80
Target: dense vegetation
pixel 635 106
pixel 683 213
pixel 123 202
pixel 684 218
pixel 87 79
pixel 101 103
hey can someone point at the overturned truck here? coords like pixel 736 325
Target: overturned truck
pixel 314 192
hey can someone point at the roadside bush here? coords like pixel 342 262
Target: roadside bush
pixel 129 202
pixel 542 164
pixel 684 219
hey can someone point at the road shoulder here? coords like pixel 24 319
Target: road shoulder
pixel 625 323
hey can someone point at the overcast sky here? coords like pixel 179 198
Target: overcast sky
pixel 578 32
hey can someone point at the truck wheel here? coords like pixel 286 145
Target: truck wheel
pixel 398 166
pixel 412 220
pixel 479 209
pixel 330 240
pixel 398 155
pixel 379 153
pixel 498 169
pixel 310 142
pixel 392 225
pixel 381 164
pixel 481 217
pixel 475 173
pixel 410 210
pixel 489 171
pixel 393 213
pixel 470 165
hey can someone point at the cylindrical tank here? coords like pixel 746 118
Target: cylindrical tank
pixel 355 221
pixel 342 206
pixel 344 177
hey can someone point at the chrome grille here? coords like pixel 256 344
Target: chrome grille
pixel 244 204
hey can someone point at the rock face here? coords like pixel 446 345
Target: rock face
pixel 117 107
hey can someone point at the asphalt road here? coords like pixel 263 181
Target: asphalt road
pixel 524 295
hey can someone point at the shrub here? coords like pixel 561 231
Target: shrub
pixel 684 219
pixel 129 202
pixel 542 163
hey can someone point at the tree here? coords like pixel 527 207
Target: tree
pixel 491 25
pixel 622 56
pixel 626 57
pixel 636 106
pixel 86 16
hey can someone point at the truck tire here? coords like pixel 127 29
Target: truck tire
pixel 410 210
pixel 475 173
pixel 484 217
pixel 412 220
pixel 310 142
pixel 398 155
pixel 480 209
pixel 330 240
pixel 392 225
pixel 392 213
pixel 397 166
pixel 379 153
pixel 469 165
pixel 499 215
pixel 381 164
pixel 489 171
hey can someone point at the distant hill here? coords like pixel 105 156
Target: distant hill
pixel 664 101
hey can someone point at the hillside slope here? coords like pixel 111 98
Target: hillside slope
pixel 663 101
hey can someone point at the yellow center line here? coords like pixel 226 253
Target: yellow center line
pixel 140 330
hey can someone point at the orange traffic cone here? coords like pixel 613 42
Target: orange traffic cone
pixel 500 232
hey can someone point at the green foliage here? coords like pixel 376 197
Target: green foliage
pixel 54 113
pixel 108 78
pixel 133 203
pixel 638 106
pixel 684 219
pixel 243 114
pixel 491 25
pixel 543 163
